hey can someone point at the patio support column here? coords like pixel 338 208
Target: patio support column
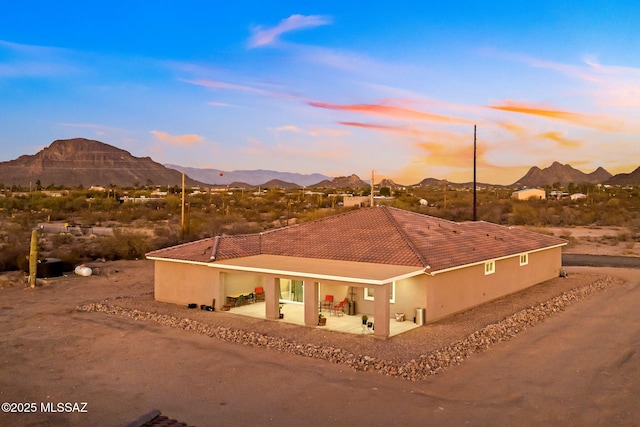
pixel 382 311
pixel 311 304
pixel 219 291
pixel 272 298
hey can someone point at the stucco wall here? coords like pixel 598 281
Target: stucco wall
pixel 458 290
pixel 410 294
pixel 338 290
pixel 186 283
pixel 235 283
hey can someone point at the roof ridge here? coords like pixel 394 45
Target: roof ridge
pixel 214 251
pixel 404 235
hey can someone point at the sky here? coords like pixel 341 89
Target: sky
pixel 329 87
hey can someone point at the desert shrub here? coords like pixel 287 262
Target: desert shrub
pixel 14 256
pixel 123 245
pixel 524 214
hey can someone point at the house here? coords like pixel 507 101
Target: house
pixel 529 193
pixel 384 259
pixel 578 196
pixel 359 201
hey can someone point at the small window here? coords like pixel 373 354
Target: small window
pixel 489 267
pixel 524 259
pixel 369 292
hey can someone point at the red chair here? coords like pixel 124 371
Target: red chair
pixel 338 309
pixel 327 303
pixel 259 294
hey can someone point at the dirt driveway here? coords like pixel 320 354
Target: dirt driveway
pixel 580 367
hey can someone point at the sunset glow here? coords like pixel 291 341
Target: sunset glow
pixel 328 88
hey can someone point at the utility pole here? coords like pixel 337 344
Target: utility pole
pixel 445 193
pixel 475 213
pixel 182 223
pixel 372 178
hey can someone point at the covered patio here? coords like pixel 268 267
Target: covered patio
pixel 294 314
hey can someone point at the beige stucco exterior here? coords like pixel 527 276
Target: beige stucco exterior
pixel 461 289
pixel 440 293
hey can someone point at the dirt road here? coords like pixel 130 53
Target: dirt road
pixel 580 367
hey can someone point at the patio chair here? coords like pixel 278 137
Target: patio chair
pixel 259 293
pixel 338 309
pixel 240 301
pixel 327 303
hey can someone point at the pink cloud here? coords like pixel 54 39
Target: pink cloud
pixel 184 140
pixel 586 120
pixel 390 111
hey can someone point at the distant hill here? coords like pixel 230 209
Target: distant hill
pixel 389 183
pixel 277 183
pixel 564 174
pixel 253 177
pixel 84 162
pixel 352 181
pixel 632 178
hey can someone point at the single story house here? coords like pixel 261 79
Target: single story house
pixel 385 259
pixel 529 193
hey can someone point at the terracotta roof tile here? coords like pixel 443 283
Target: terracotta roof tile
pixel 380 235
pixel 199 251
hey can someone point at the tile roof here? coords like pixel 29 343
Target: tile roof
pixel 380 235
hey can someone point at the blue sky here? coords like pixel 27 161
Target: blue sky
pixel 329 87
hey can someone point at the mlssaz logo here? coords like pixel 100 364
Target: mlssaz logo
pixel 63 407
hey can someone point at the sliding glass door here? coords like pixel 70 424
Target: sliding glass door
pixel 291 290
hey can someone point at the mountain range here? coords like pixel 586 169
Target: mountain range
pixel 251 177
pixel 83 162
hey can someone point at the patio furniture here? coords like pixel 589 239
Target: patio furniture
pixel 240 301
pixel 338 309
pixel 259 293
pixel 327 303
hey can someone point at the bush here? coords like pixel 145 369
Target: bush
pixel 123 245
pixel 14 256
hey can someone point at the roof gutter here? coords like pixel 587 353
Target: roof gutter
pixel 444 270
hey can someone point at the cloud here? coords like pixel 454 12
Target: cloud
pixel 586 120
pixel 288 128
pixel 390 111
pixel 214 84
pixel 312 131
pixel 560 139
pixel 269 36
pixel 21 60
pixel 611 85
pixel 183 140
pixel 218 104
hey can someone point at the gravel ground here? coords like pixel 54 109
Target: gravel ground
pixel 413 355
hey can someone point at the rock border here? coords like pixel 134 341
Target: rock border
pixel 421 368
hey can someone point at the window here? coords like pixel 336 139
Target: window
pixel 524 259
pixel 489 267
pixel 368 293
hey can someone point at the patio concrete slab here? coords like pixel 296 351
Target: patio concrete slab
pixel 294 314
